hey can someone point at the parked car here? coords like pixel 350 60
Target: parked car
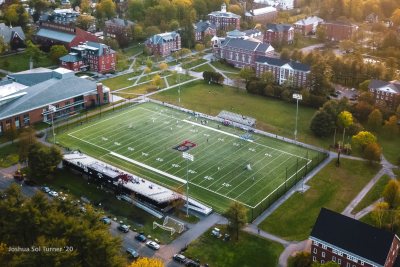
pixel 106 220
pixel 141 238
pixel 46 189
pixel 132 253
pixel 53 193
pixel 216 232
pixel 192 263
pixel 123 228
pixel 153 245
pixel 179 258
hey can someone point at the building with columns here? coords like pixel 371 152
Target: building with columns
pixel 224 20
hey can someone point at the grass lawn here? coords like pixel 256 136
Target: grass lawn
pixel 232 76
pixel 333 188
pixel 373 195
pixel 135 91
pixel 20 62
pixel 9 155
pixel 202 68
pixel 272 115
pixel 133 50
pixel 303 41
pixel 175 78
pixel 193 63
pixel 74 184
pixel 224 67
pixel 391 149
pixel 248 251
pixel 119 81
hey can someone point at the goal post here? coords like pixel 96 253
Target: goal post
pixel 170 224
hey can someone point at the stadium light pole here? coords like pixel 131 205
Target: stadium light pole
pixel 297 97
pixel 179 69
pixel 188 158
pixel 53 109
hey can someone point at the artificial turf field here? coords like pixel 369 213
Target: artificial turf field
pixel 146 140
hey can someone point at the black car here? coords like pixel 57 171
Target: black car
pixel 123 228
pixel 191 263
pixel 141 238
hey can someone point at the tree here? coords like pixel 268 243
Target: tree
pixel 321 33
pixel 147 70
pixel 3 45
pixel 391 128
pixel 156 81
pixel 43 160
pixel 378 213
pixel 111 42
pixel 322 124
pixel 33 51
pixel 16 15
pixel 375 120
pixel 345 119
pixel 136 10
pixel 85 21
pixel 391 193
pixel 247 73
pixel 106 9
pixel 149 63
pixel 320 78
pixel 85 7
pixel 163 66
pixel 57 51
pixel 147 262
pixel 39 6
pixel 372 152
pixel 301 259
pixel 267 77
pixel 26 138
pixel 38 222
pixel 199 48
pixel 363 138
pixel 11 133
pixel 237 217
pixel 396 16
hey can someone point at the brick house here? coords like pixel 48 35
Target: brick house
pixel 262 15
pixel 338 31
pixel 351 243
pixel 90 56
pixel 283 70
pixel 279 33
pixel 386 92
pixel 13 36
pixel 26 96
pixel 58 34
pixel 224 20
pixel 308 25
pixel 119 29
pixel 164 43
pixel 203 29
pixel 239 52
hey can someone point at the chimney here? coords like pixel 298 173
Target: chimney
pixel 223 8
pixel 100 94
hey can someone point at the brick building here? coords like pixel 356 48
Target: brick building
pixel 338 31
pixel 203 29
pixel 351 243
pixel 279 33
pixel 283 70
pixel 119 29
pixel 262 15
pixel 308 25
pixel 164 43
pixel 240 52
pixel 386 92
pixel 58 34
pixel 26 96
pixel 90 56
pixel 224 20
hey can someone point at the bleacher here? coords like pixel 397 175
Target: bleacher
pixel 237 118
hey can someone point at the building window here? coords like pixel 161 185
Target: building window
pixel 348 264
pixel 322 261
pixel 323 254
pixel 362 263
pixel 26 119
pixel 17 123
pixel 334 259
pixel 339 261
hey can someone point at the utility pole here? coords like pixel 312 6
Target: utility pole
pixel 188 158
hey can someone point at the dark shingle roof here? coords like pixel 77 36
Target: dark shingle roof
pixel 201 26
pixel 246 44
pixel 354 236
pixel 7 33
pixel 280 62
pixel 120 22
pixel 278 27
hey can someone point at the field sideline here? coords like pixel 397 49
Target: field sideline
pixel 145 139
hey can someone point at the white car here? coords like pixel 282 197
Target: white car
pixel 53 193
pixel 153 245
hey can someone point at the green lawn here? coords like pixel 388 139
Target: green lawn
pixel 176 78
pixel 150 133
pixel 133 50
pixel 9 155
pixel 224 67
pixel 74 184
pixel 333 188
pixel 272 115
pixel 20 62
pixel 373 195
pixel 202 68
pixel 391 148
pixel 120 81
pixel 193 63
pixel 135 91
pixel 249 251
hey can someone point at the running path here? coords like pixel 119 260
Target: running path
pixel 253 229
pixel 366 210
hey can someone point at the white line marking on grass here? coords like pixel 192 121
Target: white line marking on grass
pixel 148 167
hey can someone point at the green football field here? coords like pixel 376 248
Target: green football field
pixel 148 140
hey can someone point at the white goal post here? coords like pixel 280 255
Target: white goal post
pixel 171 225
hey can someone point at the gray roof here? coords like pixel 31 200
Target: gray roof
pixel 7 33
pixel 201 26
pixel 56 35
pixel 246 45
pixel 163 37
pixel 32 77
pixel 224 14
pixel 252 32
pixel 309 20
pixel 48 92
pixel 280 62
pixel 278 27
pixel 385 86
pixel 120 22
pixel 71 57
